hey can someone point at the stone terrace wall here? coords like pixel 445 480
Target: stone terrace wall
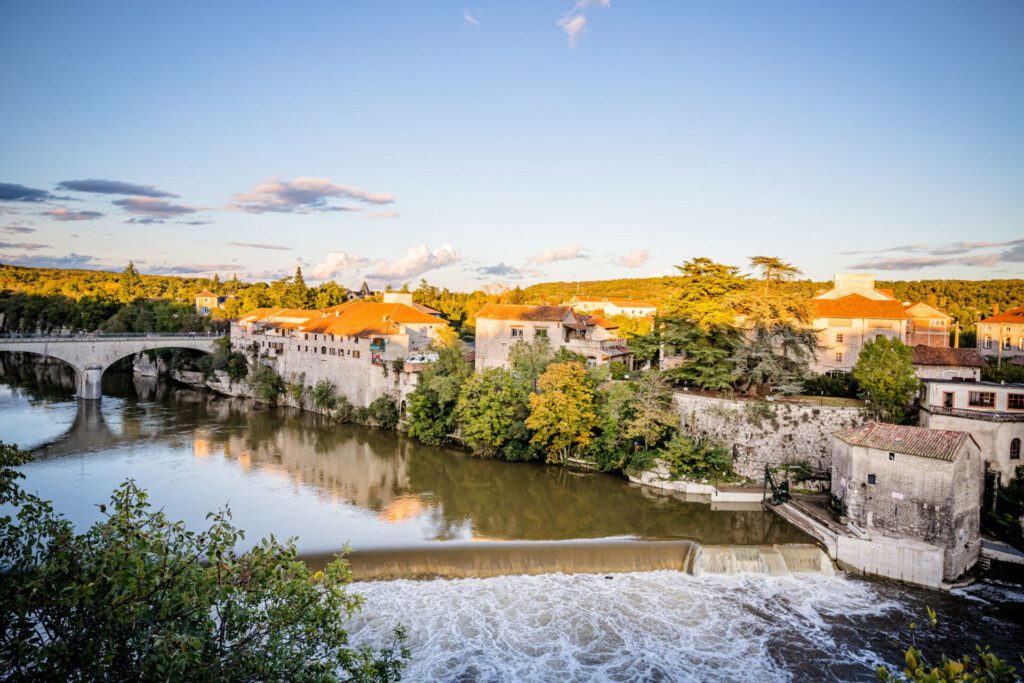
pixel 762 432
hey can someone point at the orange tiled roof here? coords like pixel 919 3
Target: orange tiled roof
pixel 940 444
pixel 278 315
pixel 364 318
pixel 857 306
pixel 552 314
pixel 601 321
pixel 937 355
pixel 206 293
pixel 1014 316
pixel 888 292
pixel 930 312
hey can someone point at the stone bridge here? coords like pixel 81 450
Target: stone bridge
pixel 91 354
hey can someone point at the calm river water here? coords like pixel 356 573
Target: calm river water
pixel 292 474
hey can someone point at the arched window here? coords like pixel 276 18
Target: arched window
pixel 1015 449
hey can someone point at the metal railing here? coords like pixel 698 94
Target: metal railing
pixel 104 336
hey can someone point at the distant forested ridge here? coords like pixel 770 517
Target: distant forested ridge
pixel 968 301
pixel 49 298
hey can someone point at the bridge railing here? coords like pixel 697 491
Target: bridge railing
pixel 104 336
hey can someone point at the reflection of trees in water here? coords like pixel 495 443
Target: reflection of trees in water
pixel 38 377
pixel 398 478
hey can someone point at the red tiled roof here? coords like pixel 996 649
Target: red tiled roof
pixel 888 292
pixel 925 311
pixel 1013 316
pixel 278 315
pixel 552 314
pixel 363 318
pixel 206 294
pixel 935 355
pixel 601 321
pixel 857 306
pixel 940 444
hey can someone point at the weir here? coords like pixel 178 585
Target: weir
pixel 491 559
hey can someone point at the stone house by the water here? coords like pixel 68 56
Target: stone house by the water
pixel 913 482
pixel 499 326
pixel 360 346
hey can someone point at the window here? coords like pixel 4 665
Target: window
pixel 892 456
pixel 541 332
pixel 305 336
pixel 988 342
pixel 878 336
pixel 839 356
pixel 981 399
pixel 355 354
pixel 517 333
pixel 936 323
pixel 1015 401
pixel 839 337
pixel 323 350
pixel 1015 449
pixel 1006 344
pixel 947 399
pixel 871 479
pixel 1020 344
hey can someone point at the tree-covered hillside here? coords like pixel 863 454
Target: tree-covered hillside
pixel 966 300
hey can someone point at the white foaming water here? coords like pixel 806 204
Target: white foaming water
pixel 646 626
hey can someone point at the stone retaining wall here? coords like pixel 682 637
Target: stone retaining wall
pixel 764 432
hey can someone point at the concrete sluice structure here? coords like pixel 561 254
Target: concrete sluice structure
pixel 491 559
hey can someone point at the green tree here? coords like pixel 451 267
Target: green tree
pixel 562 416
pixel 432 404
pixel 774 359
pixel 529 359
pixel 885 374
pixel 323 395
pixel 491 412
pixel 328 294
pixel 266 384
pixel 653 414
pixel 297 294
pixel 139 597
pixel 130 284
pixel 383 412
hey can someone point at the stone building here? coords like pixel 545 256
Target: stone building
pixel 927 325
pixel 1002 334
pixel 207 302
pixel 933 362
pixel 851 314
pixel 991 412
pixel 920 483
pixel 499 326
pixel 360 346
pixel 612 307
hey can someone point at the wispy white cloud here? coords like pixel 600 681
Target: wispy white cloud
pixel 583 4
pixel 258 245
pixel 563 253
pixel 634 259
pixel 574 25
pixel 24 246
pixel 417 261
pixel 916 256
pixel 468 19
pixel 303 195
pixel 96 186
pixel 336 263
pixel 17 229
pixel 72 260
pixel 915 262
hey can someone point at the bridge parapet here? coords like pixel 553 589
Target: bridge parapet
pixel 90 355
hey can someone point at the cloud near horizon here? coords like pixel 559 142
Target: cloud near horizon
pixel 417 261
pixel 26 246
pixel 191 269
pixel 17 229
pixel 12 192
pixel 156 208
pixel 567 252
pixel 303 195
pixel 334 264
pixel 96 186
pixel 62 214
pixel 634 259
pixel 72 260
pixel 915 256
pixel 257 245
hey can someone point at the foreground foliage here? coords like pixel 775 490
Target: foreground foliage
pixel 885 375
pixel 140 597
pixel 982 666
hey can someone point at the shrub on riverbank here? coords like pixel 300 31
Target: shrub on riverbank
pixel 266 384
pixel 491 412
pixel 139 597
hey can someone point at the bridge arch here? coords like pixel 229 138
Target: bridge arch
pixel 91 355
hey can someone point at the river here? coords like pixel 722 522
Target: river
pixel 295 474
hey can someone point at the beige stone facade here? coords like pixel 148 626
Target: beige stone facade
pixel 924 484
pixel 1002 335
pixel 499 326
pixel 360 347
pixel 851 314
pixel 992 413
pixel 927 326
pixel 612 306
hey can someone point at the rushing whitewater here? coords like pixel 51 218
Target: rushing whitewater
pixel 647 626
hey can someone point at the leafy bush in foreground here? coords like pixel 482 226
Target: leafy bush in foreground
pixel 139 597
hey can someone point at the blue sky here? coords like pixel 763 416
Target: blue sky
pixel 473 143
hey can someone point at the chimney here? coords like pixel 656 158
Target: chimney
pixel 398 298
pixel 854 283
